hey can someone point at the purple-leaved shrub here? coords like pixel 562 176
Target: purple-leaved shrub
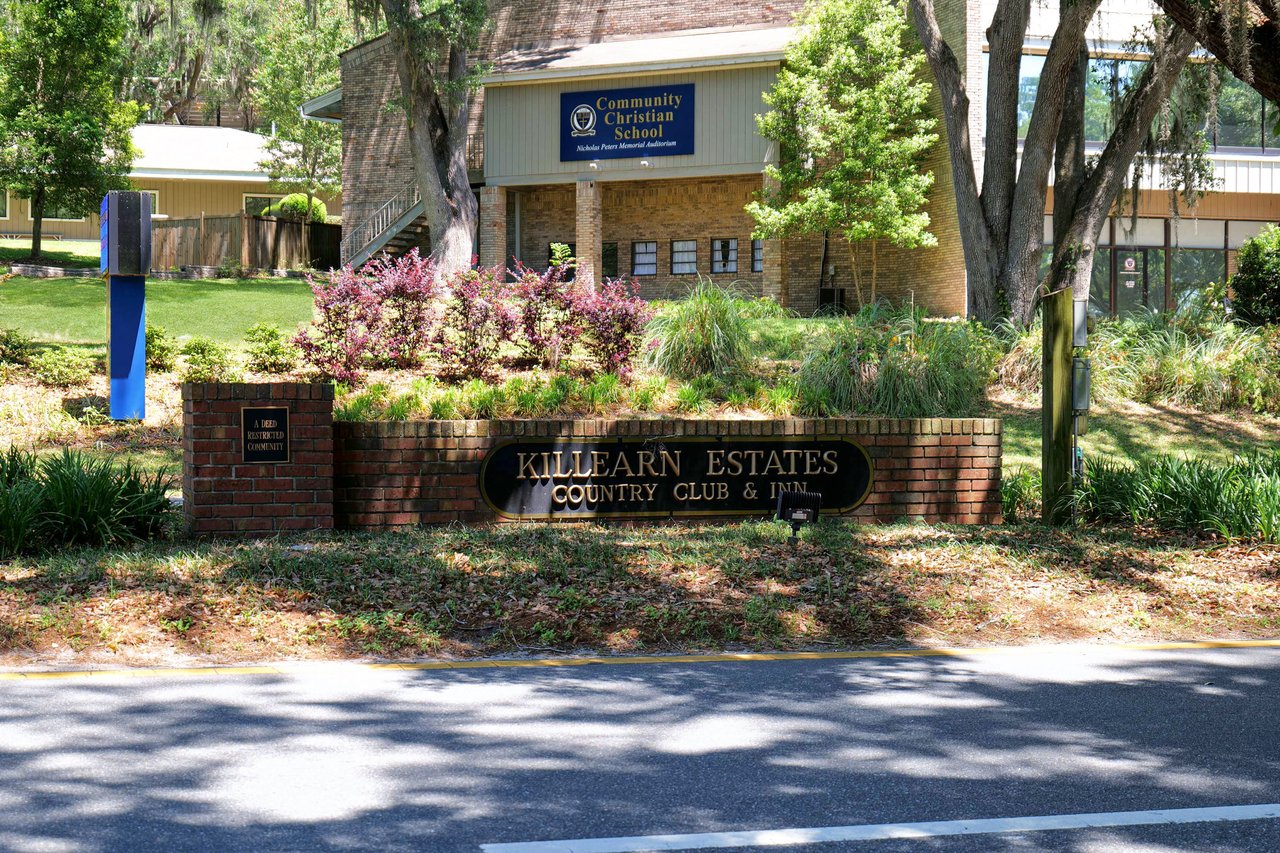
pixel 613 318
pixel 478 317
pixel 407 291
pixel 341 341
pixel 548 325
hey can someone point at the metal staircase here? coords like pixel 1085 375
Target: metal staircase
pixel 395 227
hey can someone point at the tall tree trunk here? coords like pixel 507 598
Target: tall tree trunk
pixel 980 259
pixel 1075 247
pixel 437 113
pixel 37 221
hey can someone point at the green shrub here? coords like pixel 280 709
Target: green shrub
pixel 1257 280
pixel 706 333
pixel 294 206
pixel 692 399
pixel 15 347
pixel 59 367
pixel 367 405
pixel 74 500
pixel 895 363
pixel 1020 494
pixel 1237 500
pixel 162 350
pixel 1193 358
pixel 270 350
pixel 208 361
pixel 481 400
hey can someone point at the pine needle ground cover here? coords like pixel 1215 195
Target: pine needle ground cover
pixel 545 589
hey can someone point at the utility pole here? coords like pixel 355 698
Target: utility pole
pixel 1056 409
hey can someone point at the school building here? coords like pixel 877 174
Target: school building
pixel 627 130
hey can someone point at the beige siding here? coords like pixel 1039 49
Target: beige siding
pixel 522 138
pixel 178 200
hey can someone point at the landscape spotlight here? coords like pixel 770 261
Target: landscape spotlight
pixel 797 508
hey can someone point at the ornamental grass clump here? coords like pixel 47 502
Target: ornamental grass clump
pixel 73 500
pixel 704 334
pixel 892 362
pixel 1238 500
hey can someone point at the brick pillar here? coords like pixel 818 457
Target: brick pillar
pixel 223 495
pixel 493 227
pixel 773 284
pixel 590 231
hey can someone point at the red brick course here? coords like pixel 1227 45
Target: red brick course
pixel 398 474
pixel 223 496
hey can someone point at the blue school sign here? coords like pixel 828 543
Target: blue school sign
pixel 607 124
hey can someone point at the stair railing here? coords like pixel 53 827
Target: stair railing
pixel 367 233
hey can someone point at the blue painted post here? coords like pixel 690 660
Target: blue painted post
pixel 127 346
pixel 125 233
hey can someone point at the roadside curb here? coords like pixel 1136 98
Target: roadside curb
pixel 292 668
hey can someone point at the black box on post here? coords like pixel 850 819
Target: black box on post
pixel 125 229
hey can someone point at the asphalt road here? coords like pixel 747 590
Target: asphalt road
pixel 349 757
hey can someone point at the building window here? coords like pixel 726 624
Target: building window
pixel 684 257
pixel 757 256
pixel 256 205
pixel 609 260
pixel 155 200
pixel 4 204
pixel 58 214
pixel 644 258
pixel 724 255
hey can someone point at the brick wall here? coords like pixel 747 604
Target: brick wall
pixel 224 496
pixel 658 211
pixel 397 474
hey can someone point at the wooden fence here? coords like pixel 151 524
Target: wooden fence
pixel 250 242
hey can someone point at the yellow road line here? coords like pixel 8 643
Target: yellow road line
pixel 734 657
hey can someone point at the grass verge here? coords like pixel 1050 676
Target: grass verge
pixel 81 254
pixel 546 589
pixel 70 310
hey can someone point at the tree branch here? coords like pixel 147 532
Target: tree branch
pixel 1260 64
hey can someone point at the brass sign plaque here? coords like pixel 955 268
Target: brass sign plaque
pixel 675 477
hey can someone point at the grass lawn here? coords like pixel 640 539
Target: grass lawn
pixel 67 253
pixel 1136 432
pixel 552 588
pixel 69 310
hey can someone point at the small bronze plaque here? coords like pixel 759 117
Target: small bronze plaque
pixel 265 434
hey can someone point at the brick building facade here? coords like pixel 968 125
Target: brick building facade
pixel 656 217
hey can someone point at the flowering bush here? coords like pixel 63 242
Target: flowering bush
pixel 547 323
pixel 407 291
pixel 478 316
pixel 342 339
pixel 612 318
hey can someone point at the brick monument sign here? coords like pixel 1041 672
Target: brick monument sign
pixel 265 459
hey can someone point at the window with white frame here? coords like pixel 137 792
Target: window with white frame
pixel 644 258
pixel 256 205
pixel 4 204
pixel 684 257
pixel 757 256
pixel 724 255
pixel 155 200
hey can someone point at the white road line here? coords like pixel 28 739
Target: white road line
pixel 877 832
